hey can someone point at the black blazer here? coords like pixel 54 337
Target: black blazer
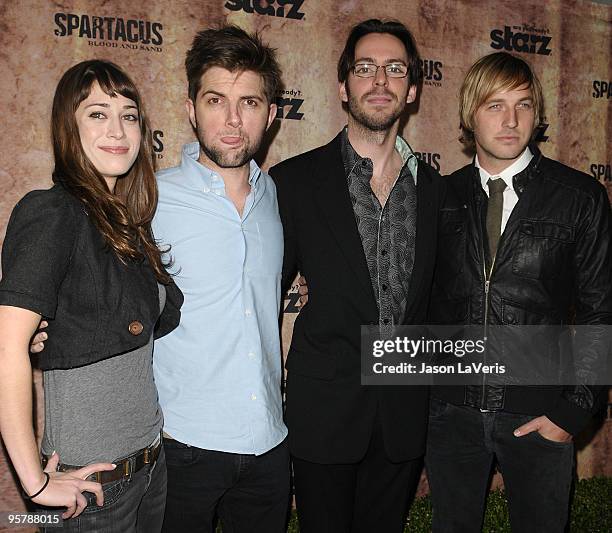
pixel 330 415
pixel 56 263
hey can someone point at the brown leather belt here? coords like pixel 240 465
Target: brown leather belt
pixel 125 467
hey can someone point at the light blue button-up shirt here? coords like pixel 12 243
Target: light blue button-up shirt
pixel 219 373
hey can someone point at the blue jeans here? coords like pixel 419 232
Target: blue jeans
pixel 249 493
pixel 462 444
pixel 131 505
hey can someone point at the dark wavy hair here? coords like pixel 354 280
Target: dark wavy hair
pixel 233 49
pixel 392 27
pixel 123 217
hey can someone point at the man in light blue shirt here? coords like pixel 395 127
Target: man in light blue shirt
pixel 219 373
pixel 219 376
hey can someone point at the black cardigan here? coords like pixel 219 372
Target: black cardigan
pixel 56 263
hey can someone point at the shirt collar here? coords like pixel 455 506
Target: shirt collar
pixel 508 173
pixel 351 157
pixel 199 173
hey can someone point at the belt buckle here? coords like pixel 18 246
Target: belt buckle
pixel 150 450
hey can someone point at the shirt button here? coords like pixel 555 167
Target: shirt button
pixel 251 354
pixel 386 321
pixel 206 189
pixel 384 287
pixel 384 252
pixel 253 397
pixel 135 328
pixel 248 312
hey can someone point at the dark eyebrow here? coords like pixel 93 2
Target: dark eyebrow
pixel 387 61
pixel 246 97
pixel 211 91
pixel 128 106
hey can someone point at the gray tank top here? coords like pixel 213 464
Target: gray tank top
pixel 103 411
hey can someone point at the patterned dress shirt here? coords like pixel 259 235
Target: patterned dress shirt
pixel 387 231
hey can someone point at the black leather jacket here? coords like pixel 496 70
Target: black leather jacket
pixel 553 267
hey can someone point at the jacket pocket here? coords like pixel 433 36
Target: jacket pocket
pixel 311 364
pixel 542 249
pixel 516 314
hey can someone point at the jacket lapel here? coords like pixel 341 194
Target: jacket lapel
pixel 426 222
pixel 333 200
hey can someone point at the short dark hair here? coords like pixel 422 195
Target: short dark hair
pixel 392 27
pixel 233 49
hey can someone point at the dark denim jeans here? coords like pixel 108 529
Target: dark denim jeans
pixel 249 493
pixel 131 505
pixel 462 444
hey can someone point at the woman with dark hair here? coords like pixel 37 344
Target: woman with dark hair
pixel 82 256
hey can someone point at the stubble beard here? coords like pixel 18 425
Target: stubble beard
pixel 231 158
pixel 375 123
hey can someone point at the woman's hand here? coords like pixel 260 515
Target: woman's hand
pixel 65 489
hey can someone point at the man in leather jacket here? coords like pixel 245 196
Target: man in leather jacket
pixel 524 241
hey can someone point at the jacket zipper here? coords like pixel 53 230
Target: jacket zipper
pixel 487 289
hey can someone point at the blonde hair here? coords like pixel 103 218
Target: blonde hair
pixel 492 73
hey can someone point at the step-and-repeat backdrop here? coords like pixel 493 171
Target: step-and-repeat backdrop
pixel 568 42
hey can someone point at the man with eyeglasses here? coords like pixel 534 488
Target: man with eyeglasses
pixel 359 217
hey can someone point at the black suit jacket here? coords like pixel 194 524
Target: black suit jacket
pixel 329 413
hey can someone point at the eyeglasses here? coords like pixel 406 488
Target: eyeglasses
pixel 369 70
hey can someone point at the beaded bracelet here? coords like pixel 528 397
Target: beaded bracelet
pixel 43 487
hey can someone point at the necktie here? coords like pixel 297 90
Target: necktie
pixel 494 213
